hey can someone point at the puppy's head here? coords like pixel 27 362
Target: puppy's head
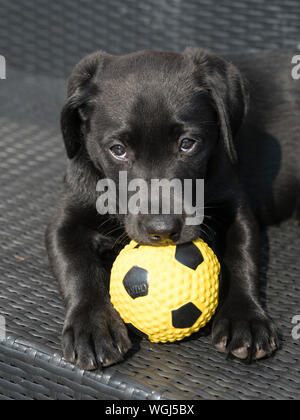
pixel 154 116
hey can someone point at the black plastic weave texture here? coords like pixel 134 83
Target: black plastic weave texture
pixel 51 36
pixel 31 367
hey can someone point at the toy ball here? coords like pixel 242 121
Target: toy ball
pixel 166 293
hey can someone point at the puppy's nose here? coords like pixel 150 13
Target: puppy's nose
pixel 163 230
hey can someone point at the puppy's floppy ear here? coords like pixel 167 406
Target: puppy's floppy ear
pixel 228 90
pixel 81 91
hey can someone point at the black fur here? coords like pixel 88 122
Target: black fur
pixel 147 101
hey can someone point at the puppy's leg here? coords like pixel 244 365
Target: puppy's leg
pixel 93 335
pixel 241 326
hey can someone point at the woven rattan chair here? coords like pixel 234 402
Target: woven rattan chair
pixel 41 42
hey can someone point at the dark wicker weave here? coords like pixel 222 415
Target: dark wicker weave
pixel 53 35
pixel 32 166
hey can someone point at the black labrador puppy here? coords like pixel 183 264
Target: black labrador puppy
pixel 165 115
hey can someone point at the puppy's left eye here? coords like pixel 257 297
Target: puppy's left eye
pixel 118 151
pixel 187 145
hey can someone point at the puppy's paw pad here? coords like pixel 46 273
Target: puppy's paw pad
pixel 85 363
pixel 248 340
pixel 220 337
pixel 221 346
pixel 241 353
pixel 260 354
pixel 90 344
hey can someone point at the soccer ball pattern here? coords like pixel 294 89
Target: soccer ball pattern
pixel 166 293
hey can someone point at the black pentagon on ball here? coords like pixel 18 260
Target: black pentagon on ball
pixel 189 255
pixel 186 316
pixel 136 282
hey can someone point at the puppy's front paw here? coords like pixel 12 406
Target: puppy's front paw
pixel 246 336
pixel 94 337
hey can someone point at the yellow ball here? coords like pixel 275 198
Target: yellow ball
pixel 166 292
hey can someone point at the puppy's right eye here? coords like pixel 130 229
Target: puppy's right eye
pixel 187 145
pixel 119 152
